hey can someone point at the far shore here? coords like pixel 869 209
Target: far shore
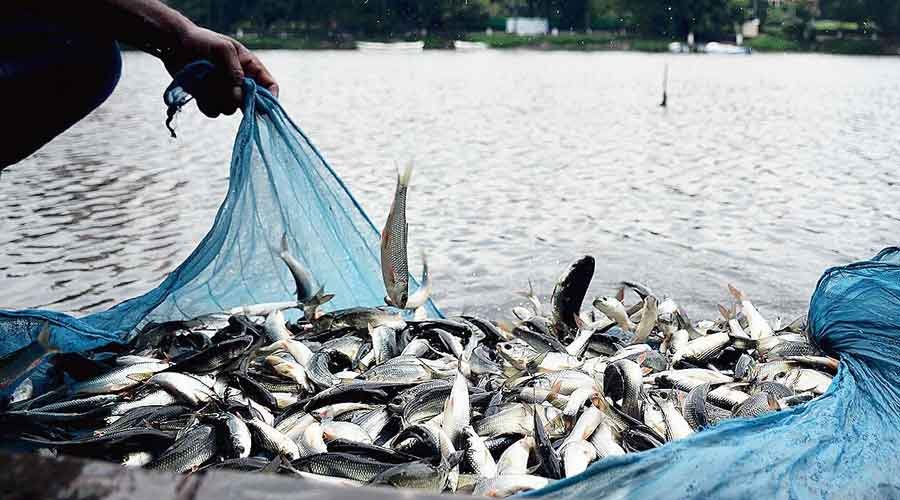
pixel 582 42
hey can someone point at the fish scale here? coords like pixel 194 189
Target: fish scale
pixel 342 465
pixel 193 449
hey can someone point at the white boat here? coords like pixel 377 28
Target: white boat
pixel 725 48
pixel 391 46
pixel 469 46
pixel 679 48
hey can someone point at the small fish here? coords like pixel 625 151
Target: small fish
pixel 551 462
pixel 676 426
pixel 515 459
pixel 536 305
pixel 275 328
pixel 509 484
pixel 614 310
pixel 648 321
pixel 758 326
pixel 23 391
pixel 416 301
pixel 623 380
pixel 576 457
pixel 190 389
pixel 457 411
pixel 119 379
pixel 18 363
pixel 332 430
pixel 568 294
pixel 702 349
pixel 394 263
pixel 756 405
pixel 477 455
pixel 190 451
pixel 270 439
pixel 306 285
pixel 238 436
pixel 311 440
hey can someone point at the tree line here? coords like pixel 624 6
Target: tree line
pixel 658 18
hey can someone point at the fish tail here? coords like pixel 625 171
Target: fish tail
pixel 284 244
pixel 579 322
pixel 724 312
pixel 420 297
pixel 404 178
pixel 44 339
pixel 737 294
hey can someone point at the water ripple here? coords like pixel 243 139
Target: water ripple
pixel 763 171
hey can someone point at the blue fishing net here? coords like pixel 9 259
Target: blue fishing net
pixel 844 444
pixel 279 183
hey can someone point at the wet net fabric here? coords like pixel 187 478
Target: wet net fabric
pixel 279 183
pixel 845 444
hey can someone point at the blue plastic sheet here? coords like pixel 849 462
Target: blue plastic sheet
pixel 279 183
pixel 844 444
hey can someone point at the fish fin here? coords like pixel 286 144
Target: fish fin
pixel 724 312
pixel 311 307
pixel 641 358
pixel 284 244
pixel 536 360
pixel 506 325
pixel 737 294
pixel 579 322
pixel 404 178
pixel 43 339
pixel 554 390
pixel 620 295
pixel 140 377
pixel 421 295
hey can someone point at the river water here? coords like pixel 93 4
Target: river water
pixel 762 172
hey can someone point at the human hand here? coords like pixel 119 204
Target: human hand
pixel 225 52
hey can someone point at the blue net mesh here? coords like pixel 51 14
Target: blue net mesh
pixel 845 444
pixel 279 183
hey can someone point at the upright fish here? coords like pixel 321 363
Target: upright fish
pixel 18 363
pixel 568 294
pixel 394 262
pixel 306 285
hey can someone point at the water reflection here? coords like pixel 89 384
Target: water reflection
pixel 763 171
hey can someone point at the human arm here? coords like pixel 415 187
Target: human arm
pixel 155 28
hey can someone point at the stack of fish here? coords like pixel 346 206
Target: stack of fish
pixel 461 404
pixel 386 397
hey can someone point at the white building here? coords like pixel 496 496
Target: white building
pixel 527 25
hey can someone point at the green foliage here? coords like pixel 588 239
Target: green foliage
pixel 772 43
pixel 676 18
pixel 884 14
pixel 570 41
pixel 652 19
pixel 853 47
pixel 827 25
pixel 649 45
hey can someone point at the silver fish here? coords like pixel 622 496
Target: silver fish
pixel 13 366
pixel 394 263
pixel 306 285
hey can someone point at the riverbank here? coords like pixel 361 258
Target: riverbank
pixel 586 42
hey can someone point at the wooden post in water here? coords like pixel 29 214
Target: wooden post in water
pixel 665 98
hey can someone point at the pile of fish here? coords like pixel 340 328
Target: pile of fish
pixel 364 396
pixel 389 396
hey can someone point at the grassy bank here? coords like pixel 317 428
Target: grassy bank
pixel 569 41
pixel 846 46
pixel 587 42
